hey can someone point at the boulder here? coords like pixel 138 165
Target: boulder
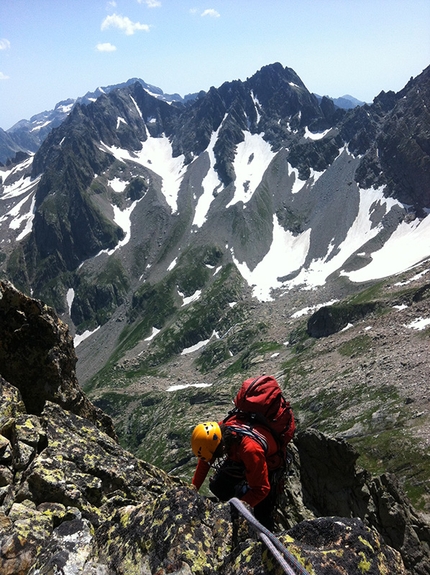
pixel 38 358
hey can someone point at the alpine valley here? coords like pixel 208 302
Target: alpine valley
pixel 254 228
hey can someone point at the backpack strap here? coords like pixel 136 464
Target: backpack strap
pixel 253 433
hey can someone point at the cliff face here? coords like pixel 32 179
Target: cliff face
pixel 73 501
pixel 37 357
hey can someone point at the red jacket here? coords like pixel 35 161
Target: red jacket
pixel 257 464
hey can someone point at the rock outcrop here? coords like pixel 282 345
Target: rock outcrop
pixel 73 501
pixel 332 485
pixel 38 358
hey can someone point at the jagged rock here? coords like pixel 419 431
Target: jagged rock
pixel 340 545
pixel 76 473
pixel 332 485
pixel 75 501
pixel 37 357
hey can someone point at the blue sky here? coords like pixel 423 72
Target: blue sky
pixel 51 50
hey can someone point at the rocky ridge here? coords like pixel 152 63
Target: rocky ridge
pixel 72 500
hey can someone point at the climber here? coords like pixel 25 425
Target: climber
pixel 250 467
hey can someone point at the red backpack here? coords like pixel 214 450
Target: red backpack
pixel 260 400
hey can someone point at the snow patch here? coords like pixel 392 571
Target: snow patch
pixel 40 126
pixel 18 188
pixel 26 217
pixel 315 136
pixel 298 184
pixel 80 338
pixel 359 233
pixel 117 185
pixel 172 265
pixel 123 219
pixel 413 279
pixel 396 254
pixel 136 106
pixel 195 347
pixel 153 334
pixel 209 184
pixel 257 105
pixel 419 323
pixel 190 299
pixel 70 296
pixel 287 253
pixel 157 155
pixel 253 156
pixel 312 309
pixel 186 385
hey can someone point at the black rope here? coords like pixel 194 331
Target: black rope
pixel 286 560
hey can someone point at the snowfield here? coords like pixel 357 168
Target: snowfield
pixel 156 155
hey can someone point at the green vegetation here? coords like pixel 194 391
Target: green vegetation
pixel 159 306
pixel 369 294
pixel 197 321
pixel 253 352
pixel 395 450
pixel 97 187
pixel 293 365
pixel 16 269
pixel 358 345
pixel 212 355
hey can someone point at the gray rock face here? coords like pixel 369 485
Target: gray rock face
pixel 37 357
pixel 332 485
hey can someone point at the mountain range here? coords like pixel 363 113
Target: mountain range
pixel 26 136
pixel 190 243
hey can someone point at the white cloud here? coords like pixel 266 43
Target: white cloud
pixel 150 3
pixel 123 23
pixel 105 47
pixel 211 12
pixel 4 44
pixel 3 76
pixel 111 4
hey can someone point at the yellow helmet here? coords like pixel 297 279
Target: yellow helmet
pixel 205 439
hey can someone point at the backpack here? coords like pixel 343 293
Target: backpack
pixel 260 401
